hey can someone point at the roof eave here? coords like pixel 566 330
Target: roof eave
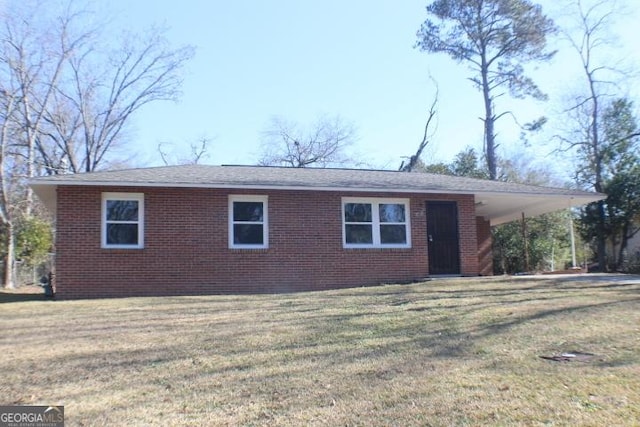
pixel 47 193
pixel 44 183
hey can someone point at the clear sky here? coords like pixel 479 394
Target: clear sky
pixel 301 59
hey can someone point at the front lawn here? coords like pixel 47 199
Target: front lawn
pixel 443 352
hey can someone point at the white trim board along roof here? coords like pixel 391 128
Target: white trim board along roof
pixel 497 201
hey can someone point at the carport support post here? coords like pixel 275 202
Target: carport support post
pixel 573 240
pixel 525 246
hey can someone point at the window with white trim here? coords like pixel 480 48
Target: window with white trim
pixel 123 220
pixel 248 222
pixel 375 223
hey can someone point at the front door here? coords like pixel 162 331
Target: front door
pixel 442 235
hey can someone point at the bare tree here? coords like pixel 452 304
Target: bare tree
pixel 493 37
pixel 102 100
pixel 33 63
pixel 28 74
pixel 426 137
pixel 588 138
pixel 9 100
pixel 199 150
pixel 67 97
pixel 322 144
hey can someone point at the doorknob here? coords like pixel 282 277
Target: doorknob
pixel 430 238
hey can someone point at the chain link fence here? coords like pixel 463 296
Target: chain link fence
pixel 26 274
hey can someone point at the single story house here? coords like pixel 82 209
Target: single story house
pixel 196 229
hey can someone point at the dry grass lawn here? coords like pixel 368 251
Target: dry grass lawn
pixel 440 353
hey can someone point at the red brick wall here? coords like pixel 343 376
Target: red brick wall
pixel 485 256
pixel 186 248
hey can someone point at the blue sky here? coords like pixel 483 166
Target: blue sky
pixel 302 59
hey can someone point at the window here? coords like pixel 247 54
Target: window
pixel 248 225
pixel 375 223
pixel 123 220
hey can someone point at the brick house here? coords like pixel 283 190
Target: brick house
pixel 195 229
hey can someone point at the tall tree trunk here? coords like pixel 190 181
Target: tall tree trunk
pixel 30 139
pixel 601 237
pixel 9 259
pixel 601 234
pixel 5 201
pixel 489 132
pixel 624 240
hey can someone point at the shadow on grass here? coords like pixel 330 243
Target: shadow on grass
pixel 9 297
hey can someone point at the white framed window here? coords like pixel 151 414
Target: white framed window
pixel 123 220
pixel 248 222
pixel 375 223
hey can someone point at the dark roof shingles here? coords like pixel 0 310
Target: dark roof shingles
pixel 260 176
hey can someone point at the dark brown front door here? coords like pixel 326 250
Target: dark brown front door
pixel 442 235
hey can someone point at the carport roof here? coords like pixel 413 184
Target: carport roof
pixel 497 201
